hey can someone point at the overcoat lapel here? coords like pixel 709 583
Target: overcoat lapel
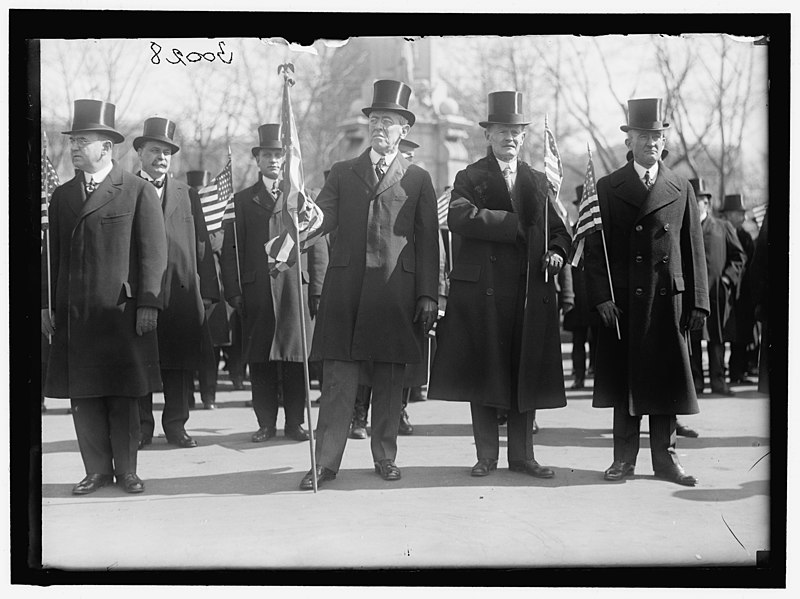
pixel 170 199
pixel 263 198
pixel 629 188
pixel 665 191
pixel 105 192
pixel 497 195
pixel 363 170
pixel 77 196
pixel 396 171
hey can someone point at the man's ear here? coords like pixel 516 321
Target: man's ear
pixel 628 142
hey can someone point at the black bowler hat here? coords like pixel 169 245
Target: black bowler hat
pixel 269 138
pixel 198 178
pixel 645 114
pixel 578 194
pixel 406 145
pixel 388 94
pixel 505 108
pixel 732 203
pixel 97 116
pixel 699 187
pixel 157 129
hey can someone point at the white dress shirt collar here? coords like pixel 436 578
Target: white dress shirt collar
pixel 269 183
pixel 503 165
pixel 99 175
pixel 640 170
pixel 146 177
pixel 388 158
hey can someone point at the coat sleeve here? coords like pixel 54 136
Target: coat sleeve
pixel 426 241
pixel 693 254
pixel 466 218
pixel 228 262
pixel 595 268
pixel 559 238
pixel 209 284
pixel 328 200
pixel 151 239
pixel 317 265
pixel 567 292
pixel 734 254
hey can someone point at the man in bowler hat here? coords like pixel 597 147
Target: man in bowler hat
pixel 725 260
pixel 273 346
pixel 498 345
pixel 108 257
pixel 379 298
pixel 189 287
pixel 660 291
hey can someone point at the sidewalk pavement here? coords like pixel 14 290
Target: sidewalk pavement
pixel 232 503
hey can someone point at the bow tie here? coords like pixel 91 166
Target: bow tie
pixel 158 184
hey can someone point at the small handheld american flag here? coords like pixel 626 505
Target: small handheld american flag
pixel 216 198
pixel 49 184
pixel 589 219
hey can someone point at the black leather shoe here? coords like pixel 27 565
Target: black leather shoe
pixel 535 427
pixel 144 441
pixel 742 380
pixel 484 467
pixel 323 474
pixel 531 467
pixel 91 483
pixel 298 433
pixel 405 428
pixel 264 433
pixel 358 430
pixel 578 384
pixel 130 483
pixel 209 405
pixel 183 440
pixel 676 474
pixel 387 469
pixel 727 391
pixel 619 470
pixel 685 431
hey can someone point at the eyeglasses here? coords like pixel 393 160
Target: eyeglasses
pixel 81 142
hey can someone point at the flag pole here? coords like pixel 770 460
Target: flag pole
pixel 235 234
pixel 47 242
pixel 546 211
pixel 287 82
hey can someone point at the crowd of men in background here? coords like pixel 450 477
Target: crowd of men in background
pixel 144 296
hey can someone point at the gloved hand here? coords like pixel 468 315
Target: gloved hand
pixel 552 262
pixel 426 312
pixel 609 313
pixel 48 324
pixel 313 305
pixel 236 303
pixel 146 320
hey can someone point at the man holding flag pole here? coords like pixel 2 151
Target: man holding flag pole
pixel 647 277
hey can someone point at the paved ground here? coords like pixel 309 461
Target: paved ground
pixel 233 503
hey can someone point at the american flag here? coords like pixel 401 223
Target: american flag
pixel 758 214
pixel 49 184
pixel 589 219
pixel 216 198
pixel 442 206
pixel 281 252
pixel 552 160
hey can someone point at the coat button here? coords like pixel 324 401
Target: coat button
pixel 662 291
pixel 639 258
pixel 665 259
pixel 639 291
pixel 490 291
pixel 666 227
pixel 638 228
pixel 546 300
pixel 492 258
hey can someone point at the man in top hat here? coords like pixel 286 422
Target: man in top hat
pixel 379 298
pixel 498 345
pixel 725 260
pixel 273 346
pixel 218 319
pixel 408 148
pixel 108 257
pixel 660 291
pixel 744 344
pixel 190 284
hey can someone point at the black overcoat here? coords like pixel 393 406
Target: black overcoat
pixel 108 256
pixel 473 360
pixel 658 268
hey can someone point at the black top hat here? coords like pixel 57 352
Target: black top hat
pixel 732 203
pixel 699 187
pixel 645 114
pixel 505 108
pixel 95 115
pixel 198 178
pixel 388 94
pixel 407 144
pixel 157 129
pixel 269 138
pixel 578 194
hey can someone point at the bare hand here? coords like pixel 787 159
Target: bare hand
pixel 552 262
pixel 313 305
pixel 146 320
pixel 48 324
pixel 567 307
pixel 236 302
pixel 426 312
pixel 609 313
pixel 695 321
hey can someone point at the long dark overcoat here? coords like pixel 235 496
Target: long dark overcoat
pixel 658 267
pixel 473 359
pixel 190 277
pixel 271 313
pixel 385 257
pixel 740 327
pixel 108 258
pixel 724 256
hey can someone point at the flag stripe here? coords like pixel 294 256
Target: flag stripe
pixel 216 198
pixel 589 217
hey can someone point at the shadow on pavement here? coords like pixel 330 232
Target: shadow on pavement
pixel 745 491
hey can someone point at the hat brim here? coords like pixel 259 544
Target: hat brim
pixel 485 124
pixel 113 134
pixel 406 113
pixel 627 128
pixel 139 142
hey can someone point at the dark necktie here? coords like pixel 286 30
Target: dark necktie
pixel 648 182
pixel 90 186
pixel 379 168
pixel 507 177
pixel 158 184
